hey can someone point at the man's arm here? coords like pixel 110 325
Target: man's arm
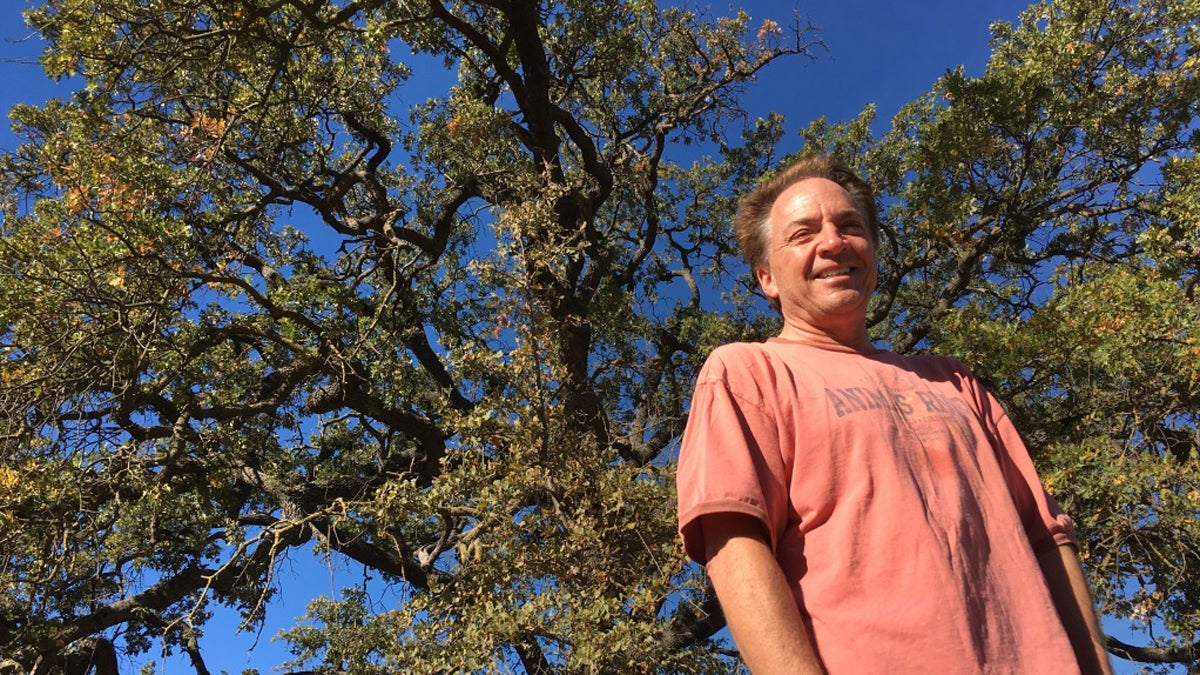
pixel 1069 589
pixel 755 597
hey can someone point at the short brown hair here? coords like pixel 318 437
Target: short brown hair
pixel 753 220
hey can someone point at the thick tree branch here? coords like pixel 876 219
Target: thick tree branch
pixel 172 589
pixel 1189 653
pixel 693 624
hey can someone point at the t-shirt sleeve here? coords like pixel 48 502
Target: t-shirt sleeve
pixel 729 460
pixel 1045 523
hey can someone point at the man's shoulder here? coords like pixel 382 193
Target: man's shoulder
pixel 766 362
pixel 930 362
pixel 733 357
pixel 754 356
pixel 936 368
pixel 736 351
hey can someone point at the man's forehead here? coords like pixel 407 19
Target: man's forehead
pixel 811 198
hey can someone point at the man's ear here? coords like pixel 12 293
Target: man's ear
pixel 766 281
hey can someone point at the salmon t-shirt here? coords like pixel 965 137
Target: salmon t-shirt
pixel 900 502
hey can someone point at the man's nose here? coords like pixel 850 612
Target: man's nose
pixel 831 240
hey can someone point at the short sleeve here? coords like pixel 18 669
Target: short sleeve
pixel 729 460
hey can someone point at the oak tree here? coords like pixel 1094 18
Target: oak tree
pixel 266 289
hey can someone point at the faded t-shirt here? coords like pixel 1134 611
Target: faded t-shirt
pixel 900 502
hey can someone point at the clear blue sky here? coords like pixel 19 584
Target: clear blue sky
pixel 880 51
pixel 886 52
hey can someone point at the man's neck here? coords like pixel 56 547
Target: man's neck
pixel 853 338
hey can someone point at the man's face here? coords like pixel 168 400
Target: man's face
pixel 821 259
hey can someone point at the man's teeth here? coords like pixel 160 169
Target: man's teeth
pixel 830 273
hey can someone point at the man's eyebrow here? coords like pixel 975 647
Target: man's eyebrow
pixel 809 220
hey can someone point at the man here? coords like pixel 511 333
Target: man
pixel 860 511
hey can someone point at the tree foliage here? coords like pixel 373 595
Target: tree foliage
pixel 262 291
pixel 261 294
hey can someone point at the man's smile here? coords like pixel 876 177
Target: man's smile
pixel 840 271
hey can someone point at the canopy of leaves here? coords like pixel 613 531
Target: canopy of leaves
pixel 262 291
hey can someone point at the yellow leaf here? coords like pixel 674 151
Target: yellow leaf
pixel 118 280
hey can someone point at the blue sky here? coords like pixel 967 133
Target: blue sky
pixel 885 52
pixel 880 51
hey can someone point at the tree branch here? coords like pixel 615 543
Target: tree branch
pixel 1181 654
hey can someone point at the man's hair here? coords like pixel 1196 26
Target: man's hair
pixel 753 220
